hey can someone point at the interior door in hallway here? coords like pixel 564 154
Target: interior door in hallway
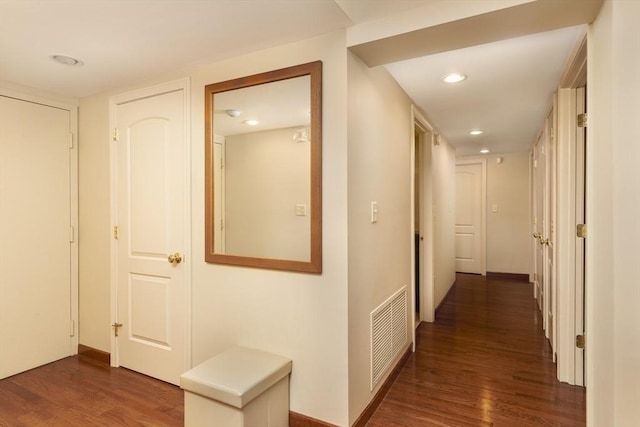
pixel 469 237
pixel 539 226
pixel 152 222
pixel 580 259
pixel 36 200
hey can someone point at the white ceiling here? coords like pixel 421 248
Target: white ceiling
pixel 122 42
pixel 507 93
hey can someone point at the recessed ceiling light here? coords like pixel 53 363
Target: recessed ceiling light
pixel 250 122
pixel 484 151
pixel 67 60
pixel 454 78
pixel 476 132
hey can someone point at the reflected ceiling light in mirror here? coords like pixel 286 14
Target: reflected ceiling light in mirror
pixel 476 132
pixel 484 151
pixel 454 78
pixel 67 60
pixel 251 122
pixel 233 113
pixel 302 135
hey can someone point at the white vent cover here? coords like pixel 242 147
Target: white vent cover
pixel 388 333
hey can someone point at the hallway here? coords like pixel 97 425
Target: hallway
pixel 485 361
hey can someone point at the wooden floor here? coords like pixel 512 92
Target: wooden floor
pixel 483 362
pixel 79 391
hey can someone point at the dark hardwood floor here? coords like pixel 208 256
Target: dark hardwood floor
pixel 484 362
pixel 80 391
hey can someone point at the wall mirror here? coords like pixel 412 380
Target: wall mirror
pixel 263 170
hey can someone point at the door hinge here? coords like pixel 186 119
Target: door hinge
pixel 582 120
pixel 116 135
pixel 72 330
pixel 581 231
pixel 72 234
pixel 580 341
pixel 116 232
pixel 116 328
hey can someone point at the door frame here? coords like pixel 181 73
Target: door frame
pixel 114 101
pixel 483 208
pixel 571 265
pixel 71 106
pixel 427 302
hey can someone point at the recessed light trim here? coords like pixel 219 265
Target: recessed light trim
pixel 475 132
pixel 251 122
pixel 485 151
pixel 454 78
pixel 67 60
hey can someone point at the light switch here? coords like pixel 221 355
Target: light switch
pixel 494 208
pixel 301 210
pixel 374 212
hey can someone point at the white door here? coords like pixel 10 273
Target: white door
pixel 581 139
pixel 36 204
pixel 550 215
pixel 469 218
pixel 539 164
pixel 151 216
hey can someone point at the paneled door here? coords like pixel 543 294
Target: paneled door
pixel 37 268
pixel 469 237
pixel 539 196
pixel 151 231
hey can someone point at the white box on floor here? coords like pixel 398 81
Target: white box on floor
pixel 238 388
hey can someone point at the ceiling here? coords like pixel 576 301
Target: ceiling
pixel 122 42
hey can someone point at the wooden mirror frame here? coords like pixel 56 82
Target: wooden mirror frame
pixel 314 265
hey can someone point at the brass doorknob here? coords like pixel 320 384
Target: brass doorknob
pixel 175 258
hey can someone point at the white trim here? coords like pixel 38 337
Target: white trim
pixel 176 85
pixel 72 107
pixel 483 206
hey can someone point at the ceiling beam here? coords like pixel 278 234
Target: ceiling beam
pixel 515 21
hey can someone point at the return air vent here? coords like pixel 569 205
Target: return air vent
pixel 388 333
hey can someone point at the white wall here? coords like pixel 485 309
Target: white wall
pixel 301 316
pixel 379 134
pixel 267 174
pixel 613 209
pixel 444 221
pixel 508 241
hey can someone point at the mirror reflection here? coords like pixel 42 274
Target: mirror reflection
pixel 263 170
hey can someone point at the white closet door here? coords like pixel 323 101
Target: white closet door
pixel 35 221
pixel 469 218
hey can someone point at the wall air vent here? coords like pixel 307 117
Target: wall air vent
pixel 388 333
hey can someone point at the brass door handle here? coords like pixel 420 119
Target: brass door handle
pixel 544 241
pixel 175 258
pixel 537 235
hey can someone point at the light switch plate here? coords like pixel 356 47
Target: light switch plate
pixel 301 210
pixel 494 208
pixel 374 212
